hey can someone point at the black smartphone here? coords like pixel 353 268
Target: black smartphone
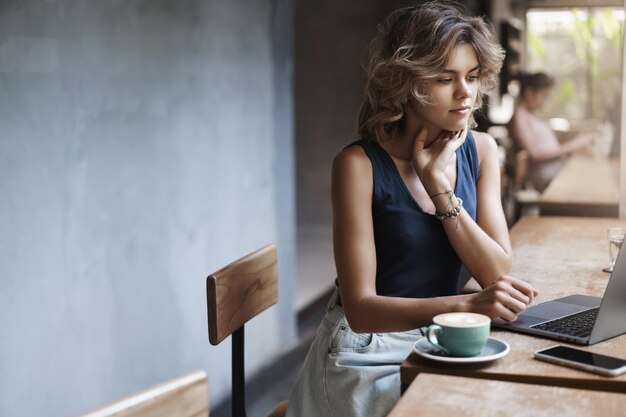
pixel 581 359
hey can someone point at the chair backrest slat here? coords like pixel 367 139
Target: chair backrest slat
pixel 240 291
pixel 185 396
pixel 521 167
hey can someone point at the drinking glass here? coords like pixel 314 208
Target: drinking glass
pixel 616 238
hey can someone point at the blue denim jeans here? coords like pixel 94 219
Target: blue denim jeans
pixel 348 374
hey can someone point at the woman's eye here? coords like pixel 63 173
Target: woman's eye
pixel 445 80
pixel 472 78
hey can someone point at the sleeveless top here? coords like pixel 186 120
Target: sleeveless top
pixel 414 257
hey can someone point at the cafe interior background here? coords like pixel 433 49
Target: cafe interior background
pixel 145 144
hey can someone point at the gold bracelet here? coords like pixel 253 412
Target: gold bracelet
pixel 448 192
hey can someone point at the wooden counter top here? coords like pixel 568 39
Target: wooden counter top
pixel 440 395
pixel 585 186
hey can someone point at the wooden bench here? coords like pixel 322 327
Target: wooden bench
pixel 185 396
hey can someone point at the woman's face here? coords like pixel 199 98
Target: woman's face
pixel 454 92
pixel 535 99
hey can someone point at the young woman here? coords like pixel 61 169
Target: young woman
pixel 414 199
pixel 547 155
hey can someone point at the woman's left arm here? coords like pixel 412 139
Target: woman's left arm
pixel 494 245
pixel 483 245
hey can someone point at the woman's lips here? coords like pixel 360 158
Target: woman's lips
pixel 461 111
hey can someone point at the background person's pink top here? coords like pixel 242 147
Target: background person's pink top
pixel 541 139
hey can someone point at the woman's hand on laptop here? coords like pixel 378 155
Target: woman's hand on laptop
pixel 506 298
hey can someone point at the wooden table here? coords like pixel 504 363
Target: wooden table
pixel 559 256
pixel 585 186
pixel 441 395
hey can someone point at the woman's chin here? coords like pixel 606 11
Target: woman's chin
pixel 454 127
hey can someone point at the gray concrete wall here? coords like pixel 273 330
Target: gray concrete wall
pixel 143 144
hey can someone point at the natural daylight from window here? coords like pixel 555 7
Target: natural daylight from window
pixel 582 49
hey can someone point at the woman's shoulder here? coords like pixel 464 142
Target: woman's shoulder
pixel 483 138
pixel 352 158
pixel 486 145
pixel 352 173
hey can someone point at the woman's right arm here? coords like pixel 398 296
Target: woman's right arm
pixel 522 131
pixel 355 259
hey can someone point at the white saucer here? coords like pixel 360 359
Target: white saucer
pixel 494 349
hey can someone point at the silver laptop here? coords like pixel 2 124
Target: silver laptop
pixel 579 318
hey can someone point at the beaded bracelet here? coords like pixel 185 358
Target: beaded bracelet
pixel 450 214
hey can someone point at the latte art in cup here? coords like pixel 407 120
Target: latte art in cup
pixel 461 319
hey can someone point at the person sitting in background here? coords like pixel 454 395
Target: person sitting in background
pixel 546 154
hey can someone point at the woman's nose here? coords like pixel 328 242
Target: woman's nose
pixel 463 90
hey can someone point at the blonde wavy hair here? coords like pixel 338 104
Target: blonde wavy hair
pixel 411 49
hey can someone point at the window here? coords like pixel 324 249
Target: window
pixel 582 49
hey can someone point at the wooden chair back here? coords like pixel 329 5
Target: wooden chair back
pixel 184 396
pixel 521 167
pixel 236 294
pixel 240 291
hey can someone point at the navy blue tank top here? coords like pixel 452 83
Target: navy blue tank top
pixel 414 257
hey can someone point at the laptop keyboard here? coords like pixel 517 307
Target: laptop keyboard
pixel 579 325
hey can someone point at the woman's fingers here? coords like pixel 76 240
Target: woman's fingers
pixel 447 143
pixel 524 288
pixel 434 157
pixel 505 314
pixel 449 135
pixel 443 135
pixel 462 136
pixel 456 139
pixel 519 296
pixel 509 300
pixel 507 297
